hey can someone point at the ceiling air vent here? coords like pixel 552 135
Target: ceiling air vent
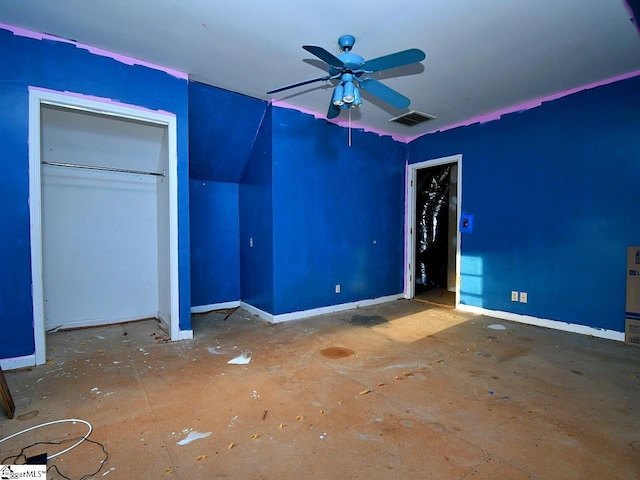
pixel 412 118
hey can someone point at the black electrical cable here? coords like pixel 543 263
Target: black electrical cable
pixel 59 473
pixel 22 455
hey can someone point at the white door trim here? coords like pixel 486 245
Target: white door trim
pixel 410 221
pixel 39 97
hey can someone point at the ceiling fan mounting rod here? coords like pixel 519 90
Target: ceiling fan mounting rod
pixel 346 42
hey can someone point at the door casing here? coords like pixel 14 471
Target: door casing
pixel 410 221
pixel 39 97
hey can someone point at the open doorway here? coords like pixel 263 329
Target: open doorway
pixel 103 206
pixel 433 238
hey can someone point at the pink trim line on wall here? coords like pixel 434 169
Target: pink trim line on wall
pixel 484 118
pixel 107 101
pixel 96 51
pixel 488 117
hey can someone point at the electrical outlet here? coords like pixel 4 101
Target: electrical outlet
pixel 251 242
pixel 514 296
pixel 338 288
pixel 523 297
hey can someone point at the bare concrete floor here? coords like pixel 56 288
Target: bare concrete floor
pixel 402 390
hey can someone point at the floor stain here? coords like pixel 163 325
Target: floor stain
pixel 507 357
pixel 29 415
pixel 368 320
pixel 336 352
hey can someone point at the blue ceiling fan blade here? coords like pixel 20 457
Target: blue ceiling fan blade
pixel 306 82
pixel 393 60
pixel 383 92
pixel 325 56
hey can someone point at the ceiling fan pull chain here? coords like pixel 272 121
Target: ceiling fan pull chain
pixel 349 127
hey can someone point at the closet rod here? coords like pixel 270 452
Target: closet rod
pixel 105 169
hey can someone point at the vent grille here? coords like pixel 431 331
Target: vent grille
pixel 412 118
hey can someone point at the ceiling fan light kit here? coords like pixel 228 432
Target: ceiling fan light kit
pixel 350 70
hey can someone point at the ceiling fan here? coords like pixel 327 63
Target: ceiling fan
pixel 349 69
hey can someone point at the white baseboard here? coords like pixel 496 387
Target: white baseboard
pixel 256 311
pixel 543 322
pixel 285 317
pixel 215 306
pixel 18 362
pixel 185 334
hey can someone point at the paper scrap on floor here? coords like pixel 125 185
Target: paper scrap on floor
pixel 241 359
pixel 193 436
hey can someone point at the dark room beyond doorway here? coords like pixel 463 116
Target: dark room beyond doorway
pixel 433 234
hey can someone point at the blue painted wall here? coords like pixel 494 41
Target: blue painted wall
pixel 256 222
pixel 317 212
pixel 215 237
pixel 61 66
pixel 555 193
pixel 338 213
pixel 313 213
pixel 222 128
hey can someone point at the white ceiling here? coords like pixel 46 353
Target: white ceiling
pixel 482 55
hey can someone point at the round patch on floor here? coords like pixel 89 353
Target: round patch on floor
pixel 336 352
